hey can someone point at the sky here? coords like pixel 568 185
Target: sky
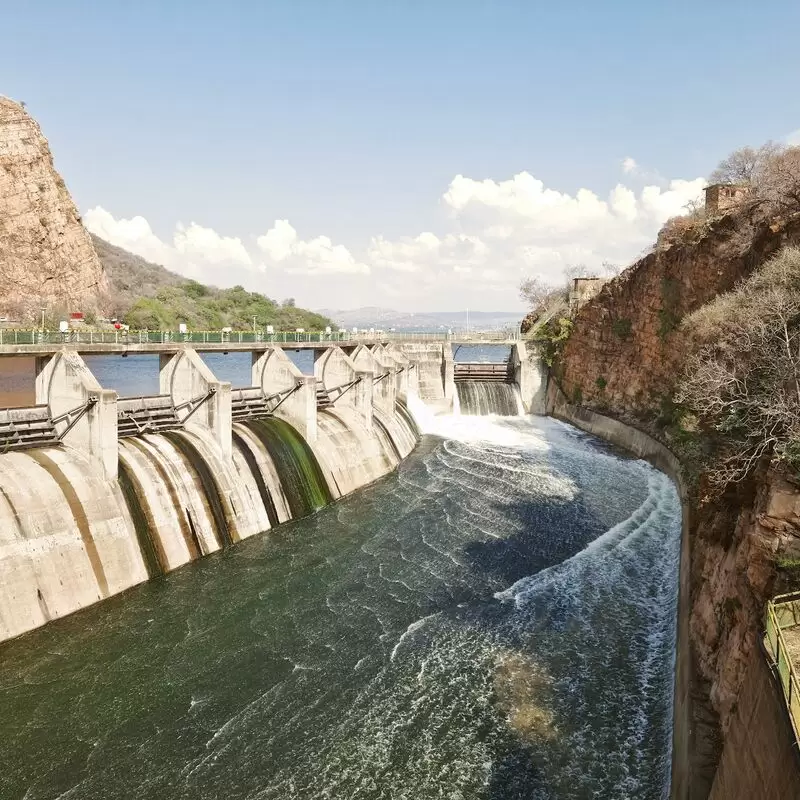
pixel 415 155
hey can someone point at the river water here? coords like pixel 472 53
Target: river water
pixel 495 620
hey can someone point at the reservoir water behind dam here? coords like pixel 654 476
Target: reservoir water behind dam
pixel 494 620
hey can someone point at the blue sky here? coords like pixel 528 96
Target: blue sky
pixel 351 120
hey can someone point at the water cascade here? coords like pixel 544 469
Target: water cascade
pixel 301 478
pixel 479 398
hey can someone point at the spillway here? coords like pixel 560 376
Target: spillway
pixel 479 398
pixel 494 619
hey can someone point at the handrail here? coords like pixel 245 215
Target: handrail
pixel 776 647
pixel 18 336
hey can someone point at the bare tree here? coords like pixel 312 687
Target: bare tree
pixel 745 165
pixel 743 380
pixel 779 181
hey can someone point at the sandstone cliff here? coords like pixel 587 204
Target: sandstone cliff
pixel 46 255
pixel 623 359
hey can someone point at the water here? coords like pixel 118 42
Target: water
pixel 136 374
pixel 485 353
pixel 495 620
pixel 479 398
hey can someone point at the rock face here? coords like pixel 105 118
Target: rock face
pixel 625 351
pixel 46 255
pixel 623 359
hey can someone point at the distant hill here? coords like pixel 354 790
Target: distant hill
pixel 385 318
pixel 147 295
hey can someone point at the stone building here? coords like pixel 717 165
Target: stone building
pixel 722 196
pixel 582 291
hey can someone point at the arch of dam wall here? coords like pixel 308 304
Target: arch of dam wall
pixel 99 493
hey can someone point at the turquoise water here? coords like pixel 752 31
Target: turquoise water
pixel 495 620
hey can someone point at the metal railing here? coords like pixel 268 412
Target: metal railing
pixel 120 337
pixel 783 612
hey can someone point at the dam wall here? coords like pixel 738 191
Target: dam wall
pixel 122 490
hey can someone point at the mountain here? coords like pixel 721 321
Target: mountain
pixel 147 295
pixel 46 256
pixel 385 318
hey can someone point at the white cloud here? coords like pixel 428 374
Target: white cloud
pixel 319 256
pixel 194 249
pixel 496 233
pixel 629 165
pixel 793 138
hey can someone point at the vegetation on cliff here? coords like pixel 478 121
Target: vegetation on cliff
pixel 742 378
pixel 146 295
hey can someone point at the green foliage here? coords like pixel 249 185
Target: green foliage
pixel 146 295
pixel 206 308
pixel 551 337
pixel 601 383
pixel 577 395
pixel 621 328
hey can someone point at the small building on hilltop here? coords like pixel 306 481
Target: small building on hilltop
pixel 722 196
pixel 582 291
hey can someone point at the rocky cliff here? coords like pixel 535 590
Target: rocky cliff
pixel 46 255
pixel 626 349
pixel 623 359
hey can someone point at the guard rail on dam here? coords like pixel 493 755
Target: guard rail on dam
pixel 98 493
pixel 35 342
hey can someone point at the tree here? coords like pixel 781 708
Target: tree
pixel 288 302
pixel 745 165
pixel 743 378
pixel 779 181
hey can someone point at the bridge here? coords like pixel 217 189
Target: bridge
pixel 41 342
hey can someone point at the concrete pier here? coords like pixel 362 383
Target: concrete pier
pixel 290 395
pixel 201 401
pixel 345 383
pixel 84 415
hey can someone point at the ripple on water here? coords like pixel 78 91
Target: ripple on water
pixel 494 621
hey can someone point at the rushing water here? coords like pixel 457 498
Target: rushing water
pixel 495 620
pixel 479 398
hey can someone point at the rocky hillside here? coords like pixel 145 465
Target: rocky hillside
pixel 46 255
pixel 147 295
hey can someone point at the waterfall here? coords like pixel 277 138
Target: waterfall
pixel 301 477
pixel 479 398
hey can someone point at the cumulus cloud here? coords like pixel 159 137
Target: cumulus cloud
pixel 192 251
pixel 496 233
pixel 319 256
pixel 793 138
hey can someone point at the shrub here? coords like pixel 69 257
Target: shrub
pixel 743 376
pixel 601 383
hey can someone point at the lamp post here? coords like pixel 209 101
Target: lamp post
pixel 44 311
pixel 254 323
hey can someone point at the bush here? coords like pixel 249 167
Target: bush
pixel 550 336
pixel 743 376
pixel 601 383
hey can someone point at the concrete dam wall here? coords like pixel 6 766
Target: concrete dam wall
pixel 98 493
